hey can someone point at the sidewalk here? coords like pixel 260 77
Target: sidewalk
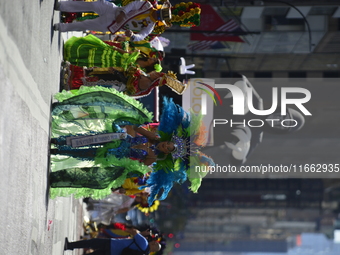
pixel 67 221
pixel 67 35
pixel 68 216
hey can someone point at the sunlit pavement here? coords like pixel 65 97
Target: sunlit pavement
pixel 30 58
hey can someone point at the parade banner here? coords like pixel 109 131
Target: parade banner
pixel 93 139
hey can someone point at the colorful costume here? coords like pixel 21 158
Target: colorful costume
pixel 138 15
pixel 188 134
pixel 131 186
pixel 127 81
pixel 78 120
pixel 182 14
pixel 145 48
pixel 107 13
pixel 186 14
pixel 93 111
pixel 91 51
pixel 76 76
pixel 115 78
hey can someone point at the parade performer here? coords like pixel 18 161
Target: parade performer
pixel 90 51
pixel 123 230
pixel 133 81
pixel 95 110
pixel 82 134
pixel 137 18
pixel 182 14
pixel 187 132
pixel 92 153
pixel 116 246
pixel 149 55
pixel 139 14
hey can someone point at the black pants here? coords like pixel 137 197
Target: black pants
pixel 88 153
pixel 101 246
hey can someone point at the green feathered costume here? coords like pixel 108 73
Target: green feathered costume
pixel 90 51
pixel 90 111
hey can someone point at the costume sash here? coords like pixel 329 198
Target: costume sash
pixel 115 27
pixel 94 139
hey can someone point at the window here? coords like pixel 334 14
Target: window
pixel 331 74
pixel 230 74
pixel 297 74
pixel 275 11
pixel 281 23
pixel 322 10
pixel 263 74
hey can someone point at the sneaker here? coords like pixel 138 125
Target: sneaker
pixel 66 245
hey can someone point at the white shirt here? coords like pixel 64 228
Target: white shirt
pixel 144 26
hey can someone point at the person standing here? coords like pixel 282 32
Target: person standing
pixel 112 18
pixel 115 246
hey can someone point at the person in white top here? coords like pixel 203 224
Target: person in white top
pixel 138 16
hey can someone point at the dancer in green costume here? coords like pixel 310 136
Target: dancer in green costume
pixel 86 161
pixel 90 51
pixel 93 111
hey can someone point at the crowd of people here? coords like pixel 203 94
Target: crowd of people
pixel 105 145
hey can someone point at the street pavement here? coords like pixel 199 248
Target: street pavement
pixel 30 58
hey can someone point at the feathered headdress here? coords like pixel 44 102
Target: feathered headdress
pixel 187 132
